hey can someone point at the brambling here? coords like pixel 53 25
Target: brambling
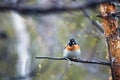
pixel 72 50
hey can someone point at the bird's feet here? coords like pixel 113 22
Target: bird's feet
pixel 69 61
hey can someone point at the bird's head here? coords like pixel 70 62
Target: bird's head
pixel 72 42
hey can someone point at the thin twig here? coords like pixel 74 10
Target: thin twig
pixel 110 59
pixel 36 9
pixel 75 60
pixel 100 27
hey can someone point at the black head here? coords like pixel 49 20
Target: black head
pixel 72 42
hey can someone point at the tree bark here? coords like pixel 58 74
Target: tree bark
pixel 112 34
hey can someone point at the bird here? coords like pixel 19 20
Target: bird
pixel 72 50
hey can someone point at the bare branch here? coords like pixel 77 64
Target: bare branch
pixel 76 60
pixel 36 9
pixel 110 58
pixel 100 27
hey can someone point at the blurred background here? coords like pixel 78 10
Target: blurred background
pixel 23 37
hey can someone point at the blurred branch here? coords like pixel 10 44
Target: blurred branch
pixel 96 23
pixel 76 60
pixel 112 14
pixel 36 9
pixel 110 58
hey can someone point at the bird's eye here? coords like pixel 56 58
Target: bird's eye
pixel 73 42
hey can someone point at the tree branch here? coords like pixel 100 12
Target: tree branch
pixel 110 58
pixel 94 22
pixel 75 60
pixel 36 9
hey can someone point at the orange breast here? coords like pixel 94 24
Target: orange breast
pixel 72 48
